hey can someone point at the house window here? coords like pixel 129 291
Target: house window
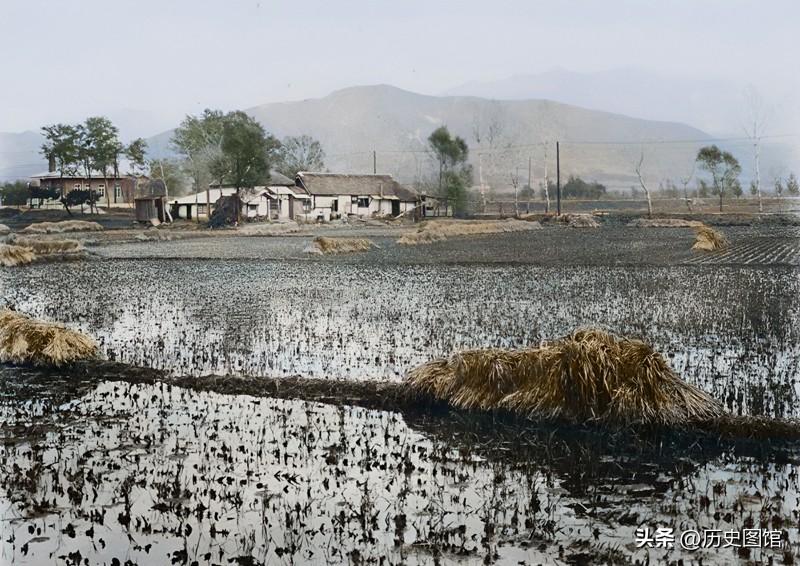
pixel 307 206
pixel 76 186
pixel 363 202
pixel 201 209
pixel 117 191
pixel 101 190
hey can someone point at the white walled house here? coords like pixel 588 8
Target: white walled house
pixel 335 195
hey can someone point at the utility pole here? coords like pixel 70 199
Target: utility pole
pixel 558 180
pixel 374 162
pixel 530 186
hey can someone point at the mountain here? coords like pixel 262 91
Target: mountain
pixel 352 122
pixel 713 105
pixel 502 134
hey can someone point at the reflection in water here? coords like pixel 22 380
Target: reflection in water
pixel 155 473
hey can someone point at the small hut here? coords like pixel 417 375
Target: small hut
pixel 150 202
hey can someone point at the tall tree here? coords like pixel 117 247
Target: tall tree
pixel 247 150
pixel 792 186
pixel 101 146
pixel 299 153
pixel 61 149
pixel 451 153
pixel 723 166
pixel 757 116
pixel 643 184
pixel 199 140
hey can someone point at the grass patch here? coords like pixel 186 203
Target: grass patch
pixel 24 340
pixel 328 246
pixel 588 376
pixel 61 227
pixel 12 256
pixel 439 230
pixel 707 239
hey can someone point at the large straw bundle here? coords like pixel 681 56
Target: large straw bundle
pixel 11 256
pixel 438 230
pixel 665 223
pixel 707 239
pixel 4 229
pixel 323 245
pixel 47 247
pixel 24 340
pixel 590 375
pixel 579 220
pixel 63 226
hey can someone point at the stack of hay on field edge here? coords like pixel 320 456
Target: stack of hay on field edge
pixel 588 376
pixel 665 223
pixel 326 246
pixel 63 226
pixel 438 230
pixel 12 256
pixel 24 340
pixel 576 220
pixel 4 230
pixel 708 240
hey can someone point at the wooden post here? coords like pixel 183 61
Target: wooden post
pixel 558 180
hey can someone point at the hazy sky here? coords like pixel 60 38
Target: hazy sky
pixel 152 61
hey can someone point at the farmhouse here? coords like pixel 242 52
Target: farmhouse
pixel 117 188
pixel 333 195
pixel 279 200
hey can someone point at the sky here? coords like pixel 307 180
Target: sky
pixel 150 62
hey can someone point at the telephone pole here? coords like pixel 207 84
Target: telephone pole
pixel 558 180
pixel 374 162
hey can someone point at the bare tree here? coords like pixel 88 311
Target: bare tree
pixel 515 183
pixel 643 185
pixel 685 182
pixel 546 181
pixel 757 116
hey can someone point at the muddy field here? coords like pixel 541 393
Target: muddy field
pixel 163 474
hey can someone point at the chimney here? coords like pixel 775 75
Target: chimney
pixel 51 163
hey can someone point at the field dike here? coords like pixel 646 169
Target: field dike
pixel 439 230
pixel 24 340
pixel 21 250
pixel 330 246
pixel 61 227
pixel 590 378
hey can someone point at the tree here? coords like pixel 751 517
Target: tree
pixel 61 149
pixel 758 115
pixel 792 188
pixel 723 166
pixel 575 187
pixel 778 187
pixel 246 150
pixel 169 171
pixel 643 185
pixel 99 150
pixel 14 193
pixel 79 197
pixel 136 153
pixel 199 140
pixel 702 189
pixel 299 153
pixel 455 175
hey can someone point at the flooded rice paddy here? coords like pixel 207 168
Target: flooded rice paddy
pixel 115 472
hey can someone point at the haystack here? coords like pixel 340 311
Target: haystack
pixel 24 340
pixel 42 247
pixel 11 256
pixel 588 376
pixel 4 230
pixel 61 227
pixel 326 246
pixel 708 240
pixel 665 223
pixel 579 220
pixel 438 230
